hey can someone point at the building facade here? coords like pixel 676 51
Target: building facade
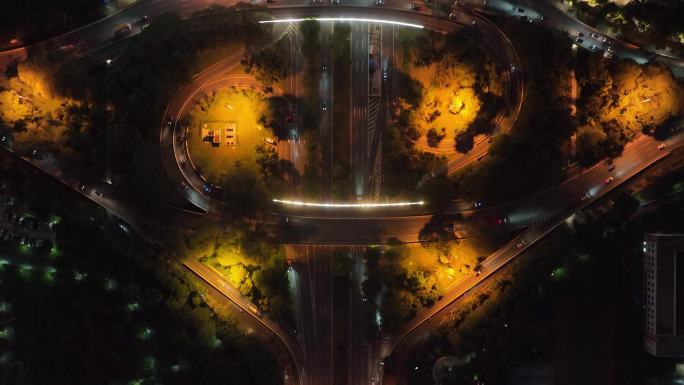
pixel 663 269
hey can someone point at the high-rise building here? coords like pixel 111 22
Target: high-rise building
pixel 663 267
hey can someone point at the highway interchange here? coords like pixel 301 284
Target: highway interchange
pixel 310 358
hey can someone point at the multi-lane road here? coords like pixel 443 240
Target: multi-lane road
pixel 540 213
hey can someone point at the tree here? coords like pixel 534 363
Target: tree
pixel 408 88
pixel 268 65
pixel 310 30
pixel 434 137
pixel 267 159
pixel 589 140
pixel 243 191
pixel 340 264
pixel 464 141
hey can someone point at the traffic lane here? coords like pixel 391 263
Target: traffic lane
pixel 254 327
pixel 560 19
pixel 314 272
pixel 643 156
pixel 359 41
pixel 358 348
pixel 219 282
pixel 525 211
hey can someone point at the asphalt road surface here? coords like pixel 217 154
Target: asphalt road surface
pixel 540 213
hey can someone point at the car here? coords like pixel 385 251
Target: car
pixel 579 34
pixel 585 197
pixel 521 244
pixel 81 186
pixel 143 20
pixel 520 10
pixel 478 269
pixel 324 66
pixel 98 193
pixel 254 309
pixel 477 204
pixel 662 146
pixel 603 39
pixel 543 18
pixel 379 2
pixel 501 221
pixel 67 48
pixel 385 75
pixel 608 55
pixel 609 180
pixel 334 1
pixel 513 67
pixel 611 167
pixel 324 106
pixel 122 30
pixel 579 40
pixel 594 35
pixel 415 7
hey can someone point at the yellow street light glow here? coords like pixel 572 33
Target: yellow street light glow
pixel 349 205
pixel 360 19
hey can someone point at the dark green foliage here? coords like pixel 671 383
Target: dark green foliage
pixel 80 331
pixel 434 137
pixel 340 264
pixel 269 65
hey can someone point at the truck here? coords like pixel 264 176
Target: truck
pixel 122 30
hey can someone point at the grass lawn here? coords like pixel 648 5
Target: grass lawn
pixel 240 106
